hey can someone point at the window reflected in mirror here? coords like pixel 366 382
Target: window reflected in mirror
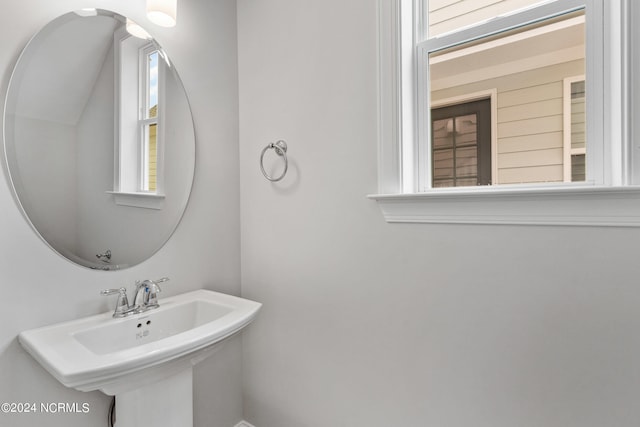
pixel 141 112
pixel 149 123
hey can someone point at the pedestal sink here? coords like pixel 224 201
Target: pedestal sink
pixel 145 360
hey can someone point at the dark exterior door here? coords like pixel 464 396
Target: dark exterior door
pixel 461 144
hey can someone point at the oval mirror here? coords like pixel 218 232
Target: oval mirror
pixel 99 140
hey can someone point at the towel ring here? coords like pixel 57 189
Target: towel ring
pixel 281 150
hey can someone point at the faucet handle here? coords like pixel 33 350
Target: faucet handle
pixel 153 285
pixel 163 279
pixel 122 305
pixel 154 288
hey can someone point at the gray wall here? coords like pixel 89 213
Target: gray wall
pixel 39 288
pixel 372 324
pixel 99 218
pixel 47 174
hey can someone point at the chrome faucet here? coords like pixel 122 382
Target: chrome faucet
pixel 123 308
pixel 146 294
pixel 145 298
pixel 105 256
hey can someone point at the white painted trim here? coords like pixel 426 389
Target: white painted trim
pixel 552 205
pixel 118 36
pixel 138 200
pixel 423 160
pixel 631 14
pixel 389 97
pixel 616 95
pixel 244 424
pixel 409 94
pixel 492 95
pixel 598 143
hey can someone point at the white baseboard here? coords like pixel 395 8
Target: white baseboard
pixel 244 424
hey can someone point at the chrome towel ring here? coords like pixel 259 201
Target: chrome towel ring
pixel 281 150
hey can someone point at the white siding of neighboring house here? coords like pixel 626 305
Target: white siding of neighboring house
pixel 448 15
pixel 530 121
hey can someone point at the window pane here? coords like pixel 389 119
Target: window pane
pixel 450 15
pixel 152 88
pixel 443 164
pixel 443 183
pixel 578 168
pixel 466 130
pixel 150 158
pixel 443 133
pixel 525 70
pixel 153 156
pixel 466 182
pixel 467 162
pixel 150 138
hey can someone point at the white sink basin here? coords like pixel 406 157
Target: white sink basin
pixel 120 355
pixel 176 318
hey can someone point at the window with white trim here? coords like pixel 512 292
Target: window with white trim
pixel 139 76
pixel 148 118
pixel 556 75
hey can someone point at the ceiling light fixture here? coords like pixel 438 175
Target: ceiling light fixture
pixel 87 11
pixel 162 12
pixel 136 30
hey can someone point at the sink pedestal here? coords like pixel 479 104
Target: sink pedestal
pixel 146 360
pixel 164 403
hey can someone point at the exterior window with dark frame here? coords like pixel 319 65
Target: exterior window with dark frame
pixel 461 144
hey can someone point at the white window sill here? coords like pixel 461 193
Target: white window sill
pixel 138 200
pixel 540 205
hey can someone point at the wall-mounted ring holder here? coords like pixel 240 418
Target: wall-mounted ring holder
pixel 280 148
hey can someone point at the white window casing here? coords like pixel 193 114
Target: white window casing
pixel 610 197
pixel 129 124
